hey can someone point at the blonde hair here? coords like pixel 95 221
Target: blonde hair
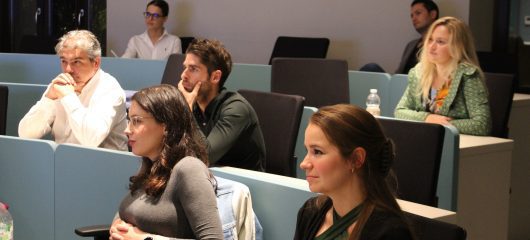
pixel 80 39
pixel 461 50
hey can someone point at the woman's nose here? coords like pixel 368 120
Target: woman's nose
pixel 433 46
pixel 305 163
pixel 127 129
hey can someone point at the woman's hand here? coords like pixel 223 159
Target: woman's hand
pixel 121 230
pixel 439 119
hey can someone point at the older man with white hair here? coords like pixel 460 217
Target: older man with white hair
pixel 82 105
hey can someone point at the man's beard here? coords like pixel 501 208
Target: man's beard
pixel 421 30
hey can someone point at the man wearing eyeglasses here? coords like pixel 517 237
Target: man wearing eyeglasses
pixel 155 42
pixel 228 123
pixel 82 105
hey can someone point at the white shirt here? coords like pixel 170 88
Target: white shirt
pixel 140 46
pixel 95 118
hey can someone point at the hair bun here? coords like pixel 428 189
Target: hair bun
pixel 387 156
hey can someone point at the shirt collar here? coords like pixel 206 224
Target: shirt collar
pixel 213 104
pixel 145 35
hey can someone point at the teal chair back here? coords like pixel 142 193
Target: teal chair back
pixel 398 84
pixel 26 184
pixel 21 98
pixel 362 82
pixel 4 92
pixel 89 186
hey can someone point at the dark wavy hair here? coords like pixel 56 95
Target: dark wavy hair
pixel 168 107
pixel 348 127
pixel 161 4
pixel 214 55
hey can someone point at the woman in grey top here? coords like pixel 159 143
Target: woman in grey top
pixel 172 195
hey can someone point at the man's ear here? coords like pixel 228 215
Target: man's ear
pixel 215 77
pixel 97 62
pixel 433 14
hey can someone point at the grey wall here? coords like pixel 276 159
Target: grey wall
pixel 361 31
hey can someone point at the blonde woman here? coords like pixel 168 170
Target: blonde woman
pixel 447 85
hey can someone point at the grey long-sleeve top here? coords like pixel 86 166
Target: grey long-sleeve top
pixel 187 209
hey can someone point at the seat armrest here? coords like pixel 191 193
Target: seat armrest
pixel 96 231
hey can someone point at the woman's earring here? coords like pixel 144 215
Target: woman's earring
pixel 352 170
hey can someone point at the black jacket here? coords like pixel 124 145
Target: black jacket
pixel 381 225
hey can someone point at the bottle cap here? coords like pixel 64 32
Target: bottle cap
pixel 373 90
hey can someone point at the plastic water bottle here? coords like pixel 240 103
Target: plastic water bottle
pixel 372 103
pixel 6 223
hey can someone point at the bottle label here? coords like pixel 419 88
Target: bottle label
pixel 6 231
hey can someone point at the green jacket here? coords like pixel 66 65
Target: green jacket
pixel 466 102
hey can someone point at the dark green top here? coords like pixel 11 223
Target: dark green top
pixel 381 225
pixel 466 102
pixel 229 126
pixel 339 229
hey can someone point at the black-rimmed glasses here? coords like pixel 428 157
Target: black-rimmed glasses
pixel 154 15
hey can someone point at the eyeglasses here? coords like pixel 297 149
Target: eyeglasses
pixel 154 15
pixel 136 120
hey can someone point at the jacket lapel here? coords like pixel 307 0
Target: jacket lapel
pixel 453 89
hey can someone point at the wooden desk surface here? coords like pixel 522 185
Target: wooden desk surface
pixel 472 145
pixel 428 211
pixel 520 98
